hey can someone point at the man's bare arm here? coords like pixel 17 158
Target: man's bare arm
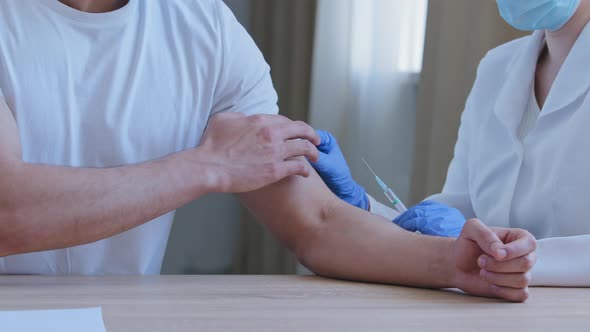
pixel 337 240
pixel 49 207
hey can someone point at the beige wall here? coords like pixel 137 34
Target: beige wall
pixel 459 33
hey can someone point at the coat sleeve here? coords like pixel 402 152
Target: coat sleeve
pixel 561 262
pixel 456 189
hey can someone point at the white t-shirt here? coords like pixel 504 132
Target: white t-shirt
pixel 117 88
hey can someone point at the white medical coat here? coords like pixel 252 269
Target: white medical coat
pixel 539 184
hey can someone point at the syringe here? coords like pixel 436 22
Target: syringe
pixel 389 193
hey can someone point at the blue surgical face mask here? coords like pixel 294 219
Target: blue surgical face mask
pixel 529 15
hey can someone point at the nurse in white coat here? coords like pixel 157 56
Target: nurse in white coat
pixel 522 157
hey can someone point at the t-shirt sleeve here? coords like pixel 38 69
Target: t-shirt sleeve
pixel 244 83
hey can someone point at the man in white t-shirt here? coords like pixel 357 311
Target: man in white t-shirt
pixel 115 113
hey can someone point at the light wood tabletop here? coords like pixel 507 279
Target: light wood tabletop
pixel 282 303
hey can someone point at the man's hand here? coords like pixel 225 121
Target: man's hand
pixel 249 153
pixel 494 262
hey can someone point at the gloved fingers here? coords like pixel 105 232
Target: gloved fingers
pixel 407 222
pixel 414 212
pixel 321 165
pixel 359 197
pixel 444 224
pixel 429 203
pixel 327 141
pixel 432 218
pixel 429 209
pixel 401 218
pixel 434 209
pixel 520 264
pixel 512 280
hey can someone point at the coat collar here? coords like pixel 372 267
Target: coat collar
pixel 520 74
pixel 573 79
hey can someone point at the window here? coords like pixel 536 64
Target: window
pixel 388 35
pixel 413 31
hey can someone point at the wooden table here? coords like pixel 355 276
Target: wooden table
pixel 263 303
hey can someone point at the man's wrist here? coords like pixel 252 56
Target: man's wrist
pixel 444 265
pixel 205 176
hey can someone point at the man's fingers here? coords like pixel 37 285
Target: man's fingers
pixel 300 148
pixel 295 166
pixel 517 265
pixel 280 128
pixel 512 280
pixel 510 294
pixel 523 244
pixel 297 130
pixel 487 240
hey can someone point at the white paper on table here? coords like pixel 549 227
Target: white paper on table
pixel 70 320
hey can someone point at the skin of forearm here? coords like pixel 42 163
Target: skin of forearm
pixel 337 240
pixel 49 207
pixel 371 248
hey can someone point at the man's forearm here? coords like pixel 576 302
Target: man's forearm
pixel 337 240
pixel 374 249
pixel 49 207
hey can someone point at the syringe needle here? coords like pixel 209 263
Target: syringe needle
pixel 369 167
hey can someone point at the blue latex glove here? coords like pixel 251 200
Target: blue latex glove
pixel 333 169
pixel 432 218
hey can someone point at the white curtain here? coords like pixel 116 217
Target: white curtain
pixel 367 59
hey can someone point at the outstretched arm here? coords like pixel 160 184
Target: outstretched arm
pixel 335 239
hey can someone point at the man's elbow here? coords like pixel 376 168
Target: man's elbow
pixel 313 250
pixel 319 259
pixel 313 262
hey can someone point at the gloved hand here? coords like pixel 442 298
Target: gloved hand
pixel 432 218
pixel 334 170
